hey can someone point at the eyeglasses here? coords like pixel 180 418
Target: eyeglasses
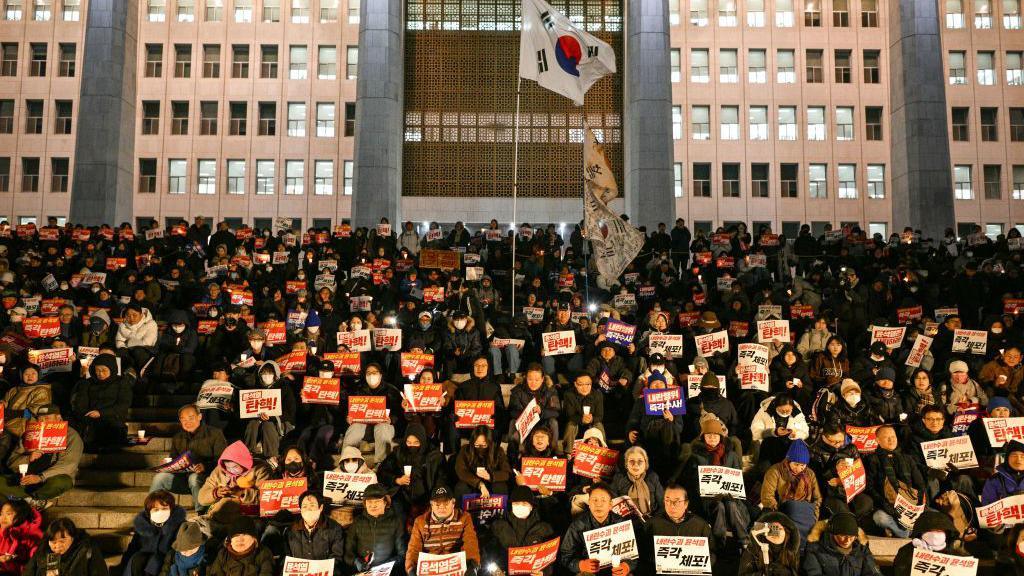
pixel 675 501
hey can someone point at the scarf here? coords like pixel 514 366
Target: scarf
pixel 182 564
pixel 639 493
pixel 716 454
pixel 797 487
pixel 926 398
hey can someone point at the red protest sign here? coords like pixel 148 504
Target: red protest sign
pixel 907 315
pixel 424 397
pixel 51 306
pixel 853 477
pixel 532 559
pixel 241 298
pixel 293 286
pixel 114 264
pixel 473 413
pixel 688 319
pixel 206 327
pixel 278 495
pixel 863 438
pixel 46 437
pixel 321 390
pixel 368 409
pixel 594 461
pixel 276 332
pixel 344 362
pixel 798 311
pixel 544 472
pixel 413 363
pixel 433 294
pixel 41 327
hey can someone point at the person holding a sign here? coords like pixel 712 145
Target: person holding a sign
pixel 242 552
pixel 962 388
pixel 29 395
pixel 839 546
pixel 49 474
pixel 314 535
pixel 203 443
pixel 890 473
pixel 382 432
pixel 573 554
pixel 676 519
pixel 482 466
pixel 565 363
pixel 264 430
pixel 377 536
pixel 539 387
pixel 774 549
pixel 137 334
pixel 100 403
pixel 933 532
pixel 522 527
pixel 442 530
pixel 1009 477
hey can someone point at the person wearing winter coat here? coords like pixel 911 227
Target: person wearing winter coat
pixel 99 334
pixel 351 462
pixel 832 365
pixel 242 554
pixel 813 340
pixel 788 373
pixel 29 395
pixel 583 408
pixel 572 552
pixel 377 536
pixel 155 529
pixel 482 466
pixel 481 386
pixel 264 430
pixel 639 482
pixel 778 421
pixel 851 408
pixel 661 433
pixel 175 351
pixel 232 485
pixel 382 432
pixel 535 386
pixel 67 551
pixel 676 519
pixel 204 444
pixel 774 548
pixel 920 393
pixel 100 404
pixel 20 536
pixel 313 535
pixel 934 532
pixel 710 400
pixel 442 529
pixel 424 463
pixel 792 488
pixel 963 390
pixel 188 556
pixel 890 472
pixel 1002 376
pixel 137 335
pixel 461 342
pixel 1008 479
pixel 882 398
pixel 49 475
pixel 838 547
pixel 523 526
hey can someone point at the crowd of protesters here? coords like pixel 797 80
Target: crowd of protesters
pixel 186 309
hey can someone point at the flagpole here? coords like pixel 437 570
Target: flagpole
pixel 515 189
pixel 586 242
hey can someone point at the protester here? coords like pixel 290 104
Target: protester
pixel 155 530
pixel 203 444
pixel 68 551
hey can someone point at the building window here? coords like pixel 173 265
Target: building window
pixel 182 60
pixel 323 177
pixel 700 122
pixel 71 10
pixel 1017 124
pixel 329 11
pixel 268 61
pixel 756 66
pixel 873 122
pixel 350 118
pixel 957 68
pixel 9 65
pixel 675 65
pixel 211 61
pixel 844 123
pixel 12 10
pixel 844 71
pixel 759 180
pixel 986 68
pixel 147 175
pixel 297 119
pixel 816 123
pixel 727 13
pixel 179 118
pixel 236 176
pixel 954 14
pixel 325 119
pixel 783 13
pixel 677 122
pixel 271 10
pixel 871 71
pixel 961 130
pixel 63 121
pixel 1018 182
pixel 1011 14
pixel 817 181
pixel 787 123
pixel 982 14
pixel 268 119
pixel 42 10
pixel 33 117
pixel 156 10
pixel 352 62
pixel 847 180
pixel 673 12
pixel 699 69
pixel 840 13
pixel 728 72
pixel 265 177
pixel 297 62
pixel 812 13
pixel 993 181
pixel 815 70
pixel 755 13
pixel 186 11
pixel 785 63
pixel 350 168
pixel 876 181
pixel 789 177
pixel 730 180
pixel 154 60
pixel 240 61
pixel 962 187
pixel 300 11
pixel 327 63
pixel 177 176
pixel 207 183
pixel 6 116
pixel 699 12
pixel 869 13
pixel 294 177
pixel 59 174
pixel 208 118
pixel 150 118
pixel 701 180
pixel 989 124
pixel 66 66
pixel 758 117
pixel 729 123
pixel 37 65
pixel 30 174
pixel 239 114
pixel 214 10
pixel 5 174
pixel 1015 68
pixel 677 179
pixel 243 11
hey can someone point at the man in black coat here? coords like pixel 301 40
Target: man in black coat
pixel 523 526
pixel 377 536
pixel 675 519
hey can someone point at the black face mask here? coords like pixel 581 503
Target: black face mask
pixel 293 467
pixel 710 393
pixel 414 449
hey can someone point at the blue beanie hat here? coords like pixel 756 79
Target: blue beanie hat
pixel 798 452
pixel 312 319
pixel 999 402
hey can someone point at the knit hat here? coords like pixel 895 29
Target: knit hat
pixel 709 380
pixel 595 433
pixel 885 373
pixel 243 525
pixel 1014 446
pixel 312 319
pixel 656 376
pixel 843 524
pixel 522 494
pixel 999 402
pixel 798 452
pixel 847 386
pixel 957 366
pixel 878 348
pixel 189 537
pixel 712 425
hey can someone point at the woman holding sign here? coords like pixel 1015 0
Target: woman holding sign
pixel 482 466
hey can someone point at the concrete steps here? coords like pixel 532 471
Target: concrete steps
pixel 103 496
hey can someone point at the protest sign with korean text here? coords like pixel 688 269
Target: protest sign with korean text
pixel 549 473
pixel 927 563
pixel 958 451
pixel 863 437
pixel 316 390
pixel 891 337
pixel 368 409
pixel 669 345
pixel 657 400
pixel 557 343
pixel 424 397
pixel 713 343
pixel 917 352
pixel 252 403
pixel 215 395
pixel 682 555
pixel 773 331
pixel 615 540
pixel 278 495
pixel 594 462
pixel 524 560
pixel 721 481
pixel 45 437
pixel 472 413
pixel 346 487
pixel 1002 430
pixel 852 476
pixel 303 567
pixel 973 341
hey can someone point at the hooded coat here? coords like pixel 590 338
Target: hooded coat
pixel 928 521
pixel 111 397
pixel 766 421
pixel 21 542
pixel 144 333
pixel 511 532
pixel 783 559
pixel 84 558
pixel 823 558
pixel 245 484
pixel 152 540
pixel 426 462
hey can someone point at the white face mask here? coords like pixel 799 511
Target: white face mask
pixel 460 324
pixel 310 517
pixel 852 399
pixel 327 374
pixel 313 329
pixel 373 379
pixel 355 326
pixel 521 510
pixel 351 466
pixel 159 516
pixel 267 379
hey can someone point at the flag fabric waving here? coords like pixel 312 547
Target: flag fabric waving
pixel 596 169
pixel 615 242
pixel 558 55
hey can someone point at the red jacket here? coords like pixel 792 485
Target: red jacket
pixel 21 541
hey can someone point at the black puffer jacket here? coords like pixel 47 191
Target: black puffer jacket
pixel 823 558
pixel 327 540
pixel 383 537
pixel 84 558
pixel 510 532
pixel 111 397
pixel 152 539
pixel 259 562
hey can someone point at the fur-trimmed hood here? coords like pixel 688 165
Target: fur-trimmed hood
pixel 820 530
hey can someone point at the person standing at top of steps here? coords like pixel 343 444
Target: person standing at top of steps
pixel 48 475
pixel 204 444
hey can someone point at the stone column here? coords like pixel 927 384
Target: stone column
pixel 104 179
pixel 922 189
pixel 380 85
pixel 648 115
